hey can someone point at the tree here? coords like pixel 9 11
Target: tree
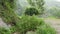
pixel 7 11
pixel 38 4
pixel 31 11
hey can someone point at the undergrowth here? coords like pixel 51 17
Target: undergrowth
pixel 29 23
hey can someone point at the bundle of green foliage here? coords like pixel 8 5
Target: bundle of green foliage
pixel 45 29
pixel 4 31
pixel 32 23
pixel 7 12
pixel 31 11
pixel 37 4
pixel 28 23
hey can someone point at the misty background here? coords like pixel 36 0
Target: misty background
pixel 50 7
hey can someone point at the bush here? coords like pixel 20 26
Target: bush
pixel 4 31
pixel 45 29
pixel 31 11
pixel 13 29
pixel 29 23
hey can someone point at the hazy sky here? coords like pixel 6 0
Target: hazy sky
pixel 53 0
pixel 57 0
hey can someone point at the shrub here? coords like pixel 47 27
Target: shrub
pixel 13 29
pixel 45 29
pixel 4 31
pixel 28 23
pixel 31 11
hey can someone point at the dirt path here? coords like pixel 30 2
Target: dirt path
pixel 54 23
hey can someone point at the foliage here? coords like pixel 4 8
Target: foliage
pixel 32 23
pixel 7 11
pixel 45 29
pixel 55 12
pixel 28 23
pixel 37 4
pixel 13 29
pixel 4 31
pixel 31 11
pixel 23 24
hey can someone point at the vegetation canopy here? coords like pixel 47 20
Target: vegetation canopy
pixel 31 11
